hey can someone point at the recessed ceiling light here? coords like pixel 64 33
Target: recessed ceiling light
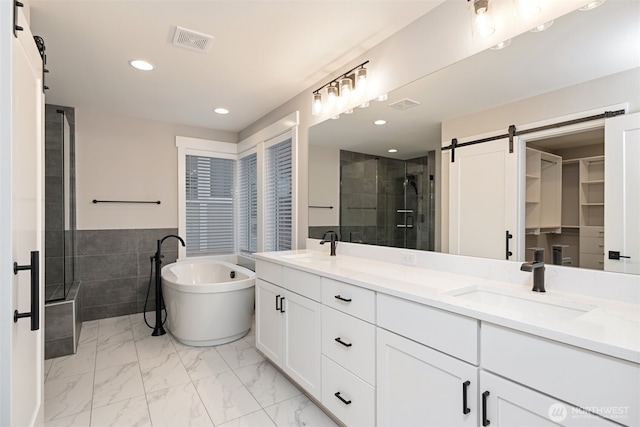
pixel 592 5
pixel 140 64
pixel 392 150
pixel 221 111
pixel 380 122
pixel 501 45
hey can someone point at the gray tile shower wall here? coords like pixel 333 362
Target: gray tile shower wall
pixel 114 268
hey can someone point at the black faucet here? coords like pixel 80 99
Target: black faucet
pixel 159 328
pixel 537 267
pixel 333 239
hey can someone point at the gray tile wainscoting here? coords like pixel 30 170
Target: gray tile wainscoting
pixel 114 267
pixel 63 323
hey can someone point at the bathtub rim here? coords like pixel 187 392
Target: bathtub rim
pixel 203 288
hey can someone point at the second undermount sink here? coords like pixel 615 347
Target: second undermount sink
pixel 520 303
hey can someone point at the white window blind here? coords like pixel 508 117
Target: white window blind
pixel 278 199
pixel 248 204
pixel 209 205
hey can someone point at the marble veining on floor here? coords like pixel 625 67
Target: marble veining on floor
pixel 122 376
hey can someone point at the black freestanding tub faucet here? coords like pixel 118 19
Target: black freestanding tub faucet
pixel 159 328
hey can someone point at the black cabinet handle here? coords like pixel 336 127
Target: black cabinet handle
pixel 281 305
pixel 343 343
pixel 343 299
pixel 465 408
pixel 616 255
pixel 485 420
pixel 508 236
pixel 34 267
pixel 346 402
pixel 277 299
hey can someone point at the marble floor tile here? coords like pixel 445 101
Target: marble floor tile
pixel 47 367
pixel 180 346
pixel 239 353
pixel 117 383
pixel 83 361
pixel 177 406
pixel 150 346
pixel 139 327
pixel 298 411
pixel 113 326
pixel 225 397
pixel 130 413
pixel 202 362
pixel 254 419
pixel 116 353
pixel 67 396
pixel 81 419
pixel 266 384
pixel 163 372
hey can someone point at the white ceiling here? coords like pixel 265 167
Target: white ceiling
pixel 264 52
pixel 579 47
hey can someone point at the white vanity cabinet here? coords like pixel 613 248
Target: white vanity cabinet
pixel 348 352
pixel 507 404
pixel 288 324
pixel 419 382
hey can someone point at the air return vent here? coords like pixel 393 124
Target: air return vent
pixel 192 40
pixel 404 104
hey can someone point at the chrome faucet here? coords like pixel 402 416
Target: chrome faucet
pixel 333 239
pixel 537 267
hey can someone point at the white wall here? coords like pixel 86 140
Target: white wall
pixel 125 158
pixel 324 185
pixel 432 42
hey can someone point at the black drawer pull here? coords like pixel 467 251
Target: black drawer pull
pixel 277 299
pixel 485 420
pixel 343 343
pixel 281 304
pixel 346 402
pixel 343 299
pixel 465 408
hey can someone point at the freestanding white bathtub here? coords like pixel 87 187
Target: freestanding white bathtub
pixel 209 302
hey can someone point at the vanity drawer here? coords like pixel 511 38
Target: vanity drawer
pixel 303 283
pixel 350 299
pixel 357 350
pixel 593 261
pixel 592 245
pixel 446 332
pixel 269 271
pixel 580 377
pixel 360 409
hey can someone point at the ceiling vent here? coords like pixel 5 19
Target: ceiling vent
pixel 191 40
pixel 404 104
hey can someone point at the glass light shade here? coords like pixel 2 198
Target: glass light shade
pixel 346 87
pixel 316 108
pixel 483 25
pixel 332 94
pixel 361 78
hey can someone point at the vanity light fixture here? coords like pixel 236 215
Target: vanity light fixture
pixel 344 87
pixel 221 111
pixel 541 27
pixel 501 45
pixel 380 122
pixel 592 5
pixel 141 64
pixel 481 20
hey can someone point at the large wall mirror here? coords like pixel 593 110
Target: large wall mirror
pixel 384 184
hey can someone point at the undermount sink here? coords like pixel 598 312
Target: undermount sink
pixel 538 305
pixel 306 257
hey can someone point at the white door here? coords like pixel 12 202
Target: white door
pixel 484 181
pixel 21 363
pixel 303 341
pixel 418 386
pixel 269 320
pixel 506 404
pixel 622 193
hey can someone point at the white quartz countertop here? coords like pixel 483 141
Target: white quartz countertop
pixel 605 326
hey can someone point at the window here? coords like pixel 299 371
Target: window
pixel 248 204
pixel 278 196
pixel 209 205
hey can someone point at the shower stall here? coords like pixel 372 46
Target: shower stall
pixel 387 202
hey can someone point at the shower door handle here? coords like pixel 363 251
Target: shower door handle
pixel 34 268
